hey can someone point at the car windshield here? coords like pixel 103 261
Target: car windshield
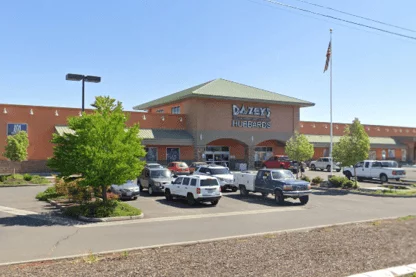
pixel 209 182
pixel 284 174
pixel 218 171
pixel 163 173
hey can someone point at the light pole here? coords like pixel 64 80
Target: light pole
pixel 83 78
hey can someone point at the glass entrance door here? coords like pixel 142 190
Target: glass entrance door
pixel 219 155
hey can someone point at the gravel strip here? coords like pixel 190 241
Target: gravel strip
pixel 332 251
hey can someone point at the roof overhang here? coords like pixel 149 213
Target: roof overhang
pixel 150 136
pixel 375 142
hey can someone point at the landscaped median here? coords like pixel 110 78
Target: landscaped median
pixel 81 203
pixel 341 185
pixel 19 180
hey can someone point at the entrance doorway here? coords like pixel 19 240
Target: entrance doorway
pixel 219 155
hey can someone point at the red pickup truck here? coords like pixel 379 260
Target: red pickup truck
pixel 279 161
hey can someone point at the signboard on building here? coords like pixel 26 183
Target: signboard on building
pixel 251 117
pixel 14 128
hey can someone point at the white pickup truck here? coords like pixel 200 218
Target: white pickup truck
pixel 370 169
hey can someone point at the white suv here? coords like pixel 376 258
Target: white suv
pixel 324 163
pixel 194 189
pixel 223 174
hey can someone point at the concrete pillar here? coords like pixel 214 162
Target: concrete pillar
pixel 198 151
pixel 250 150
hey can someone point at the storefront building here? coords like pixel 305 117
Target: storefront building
pixel 219 121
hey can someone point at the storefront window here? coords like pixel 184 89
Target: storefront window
pixel 218 149
pixel 151 154
pixel 326 152
pixel 372 155
pixel 176 110
pixel 392 154
pixel 172 154
pixel 404 155
pixel 383 154
pixel 14 128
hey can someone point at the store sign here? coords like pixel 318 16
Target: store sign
pixel 251 117
pixel 13 128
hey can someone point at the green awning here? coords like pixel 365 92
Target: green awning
pixel 375 142
pixel 150 136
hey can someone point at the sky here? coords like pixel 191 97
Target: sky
pixel 146 49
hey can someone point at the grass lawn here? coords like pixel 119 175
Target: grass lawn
pixel 100 209
pixel 401 192
pixel 18 180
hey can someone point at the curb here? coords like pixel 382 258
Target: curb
pixel 96 219
pixel 404 271
pixel 338 191
pixel 22 186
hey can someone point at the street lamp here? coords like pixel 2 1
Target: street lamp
pixel 83 78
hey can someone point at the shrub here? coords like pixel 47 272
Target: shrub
pixel 317 180
pixel 305 178
pixel 348 184
pixel 27 177
pixel 338 181
pixel 11 181
pixel 16 177
pixel 49 193
pixel 36 179
pixel 3 178
pixel 73 190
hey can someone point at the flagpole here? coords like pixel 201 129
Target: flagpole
pixel 330 104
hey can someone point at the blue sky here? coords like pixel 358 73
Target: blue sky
pixel 146 49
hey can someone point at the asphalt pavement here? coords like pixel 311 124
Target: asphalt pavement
pixel 41 236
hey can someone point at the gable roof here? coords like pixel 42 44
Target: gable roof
pixel 227 90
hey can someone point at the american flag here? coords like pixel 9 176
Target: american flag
pixel 328 57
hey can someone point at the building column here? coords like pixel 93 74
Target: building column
pixel 198 151
pixel 249 156
pixel 411 151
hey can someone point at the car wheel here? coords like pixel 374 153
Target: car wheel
pixel 190 198
pixel 328 168
pixel 397 179
pixel 338 170
pixel 135 198
pixel 223 189
pixel 359 179
pixel 150 190
pixel 215 202
pixel 304 199
pixel 243 190
pixel 234 189
pixel 313 168
pixel 348 175
pixel 168 195
pixel 383 178
pixel 279 198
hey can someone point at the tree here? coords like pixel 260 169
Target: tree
pixel 16 147
pixel 299 149
pixel 102 149
pixel 353 146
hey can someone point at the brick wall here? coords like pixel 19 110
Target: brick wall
pixel 34 166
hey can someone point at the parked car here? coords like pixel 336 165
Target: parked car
pixel 195 189
pixel 279 182
pixel 178 168
pixel 154 180
pixel 128 190
pixel 226 179
pixel 278 161
pixel 153 165
pixel 195 165
pixel 372 169
pixel 324 163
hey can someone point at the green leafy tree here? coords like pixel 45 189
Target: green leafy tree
pixel 16 147
pixel 298 148
pixel 353 146
pixel 102 149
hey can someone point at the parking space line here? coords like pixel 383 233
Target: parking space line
pixel 14 211
pixel 186 217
